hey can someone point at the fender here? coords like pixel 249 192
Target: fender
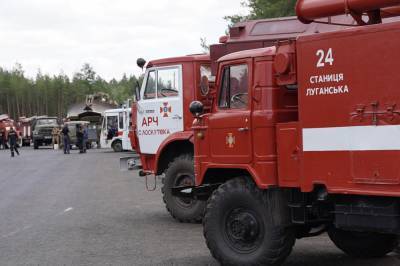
pixel 177 136
pixel 262 183
pixel 134 139
pixel 132 133
pixel 116 139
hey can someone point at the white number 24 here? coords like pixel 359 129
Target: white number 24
pixel 328 59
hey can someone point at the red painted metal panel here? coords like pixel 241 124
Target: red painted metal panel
pixel 357 93
pixel 289 154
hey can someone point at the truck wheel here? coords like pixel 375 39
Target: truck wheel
pixel 117 146
pixel 35 145
pixel 241 226
pixel 363 244
pixel 180 172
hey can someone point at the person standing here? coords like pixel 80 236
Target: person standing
pixel 2 145
pixel 12 139
pixel 55 133
pixel 66 139
pixel 3 140
pixel 79 137
pixel 85 138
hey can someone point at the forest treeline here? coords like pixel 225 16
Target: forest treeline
pixel 51 95
pixel 259 9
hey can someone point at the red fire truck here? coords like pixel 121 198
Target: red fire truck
pixel 5 125
pixel 25 127
pixel 161 122
pixel 162 134
pixel 304 138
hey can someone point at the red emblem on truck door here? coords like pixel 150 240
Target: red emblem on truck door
pixel 165 109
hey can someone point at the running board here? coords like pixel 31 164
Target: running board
pixel 194 192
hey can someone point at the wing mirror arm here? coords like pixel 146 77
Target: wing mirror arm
pixel 137 91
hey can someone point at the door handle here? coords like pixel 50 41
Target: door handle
pixel 243 129
pixel 177 117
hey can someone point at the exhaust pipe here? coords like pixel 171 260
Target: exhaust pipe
pixel 309 10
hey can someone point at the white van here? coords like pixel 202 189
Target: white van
pixel 115 130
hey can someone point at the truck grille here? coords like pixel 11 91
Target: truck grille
pixel 45 131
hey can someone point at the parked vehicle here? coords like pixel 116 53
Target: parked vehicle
pixel 73 126
pixel 115 130
pixel 162 134
pixel 302 139
pixel 162 125
pixel 5 125
pixel 25 127
pixel 42 131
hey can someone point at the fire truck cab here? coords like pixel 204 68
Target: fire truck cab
pixel 302 139
pixel 162 123
pixel 115 130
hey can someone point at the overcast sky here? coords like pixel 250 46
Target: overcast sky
pixel 61 35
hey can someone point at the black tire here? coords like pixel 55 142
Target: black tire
pixel 35 145
pixel 363 245
pixel 117 146
pixel 180 172
pixel 242 226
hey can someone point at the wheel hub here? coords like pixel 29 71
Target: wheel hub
pixel 244 226
pixel 243 230
pixel 184 180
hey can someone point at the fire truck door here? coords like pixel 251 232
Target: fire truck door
pixel 126 143
pixel 160 110
pixel 230 127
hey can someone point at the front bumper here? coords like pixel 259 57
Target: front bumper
pixel 130 163
pixel 43 139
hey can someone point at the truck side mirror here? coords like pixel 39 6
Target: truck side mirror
pixel 196 108
pixel 141 62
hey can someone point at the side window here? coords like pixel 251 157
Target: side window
pixel 103 122
pixel 150 90
pixel 112 122
pixel 167 83
pixel 239 78
pixel 205 77
pixel 121 120
pixel 224 95
pixel 234 87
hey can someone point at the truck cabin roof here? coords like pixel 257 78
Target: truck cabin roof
pixel 4 117
pixel 255 34
pixel 77 123
pixel 260 52
pixel 178 60
pixel 47 117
